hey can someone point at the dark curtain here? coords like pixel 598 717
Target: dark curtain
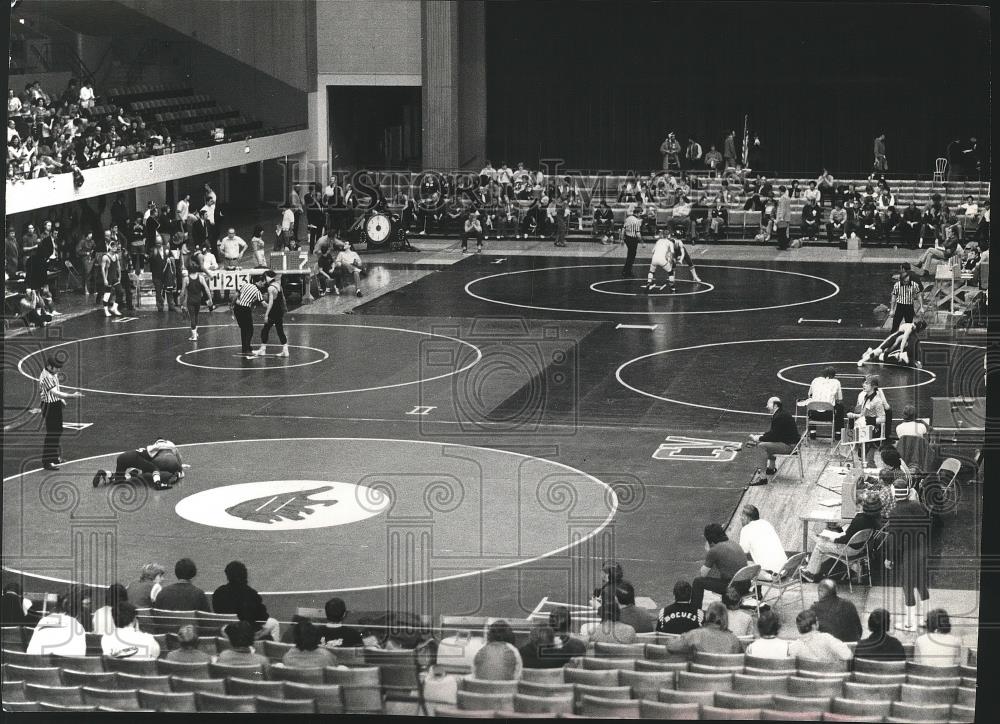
pixel 600 85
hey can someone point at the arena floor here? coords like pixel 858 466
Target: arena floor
pixel 472 440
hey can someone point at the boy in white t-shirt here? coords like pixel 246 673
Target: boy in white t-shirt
pixel 127 641
pixel 349 262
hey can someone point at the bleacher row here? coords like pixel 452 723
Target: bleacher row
pixel 711 686
pixel 182 110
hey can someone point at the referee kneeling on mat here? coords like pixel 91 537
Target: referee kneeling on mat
pixel 248 297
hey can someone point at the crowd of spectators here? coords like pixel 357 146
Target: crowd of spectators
pixel 50 134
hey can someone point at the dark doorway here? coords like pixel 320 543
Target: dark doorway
pixel 374 127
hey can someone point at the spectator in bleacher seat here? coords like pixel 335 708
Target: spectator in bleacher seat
pixel 241 653
pixel 740 622
pixel 126 640
pixel 101 620
pixel 236 592
pixel 681 615
pixel 811 218
pixel 727 194
pixel 498 659
pixel 951 230
pixel 718 219
pixel 536 654
pixel 142 593
pixel 86 96
pixel 603 222
pixel 680 218
pixel 768 645
pixel 760 541
pixel 794 192
pixel 283 238
pixel 837 616
pixel 183 595
pixel 188 651
pixel 816 645
pixel 566 644
pixel 930 231
pixel 638 618
pixel 505 177
pixel 780 439
pixel 14 607
pixel 868 221
pixel 909 225
pixel 729 150
pixel 60 631
pixel 938 646
pixel 335 633
pixel 826 547
pixel 295 202
pixel 610 629
pixel 308 653
pixel 880 645
pixel 713 637
pixel 714 161
pixel 723 558
pixel 325 261
pixel 13 107
pixel 812 194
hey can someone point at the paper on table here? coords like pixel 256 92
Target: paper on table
pixel 830 534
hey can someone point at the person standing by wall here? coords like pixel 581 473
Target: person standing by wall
pixel 729 150
pixel 880 163
pixel 53 401
pixel 783 217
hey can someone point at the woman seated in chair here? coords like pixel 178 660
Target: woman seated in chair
pixel 868 518
pixel 714 636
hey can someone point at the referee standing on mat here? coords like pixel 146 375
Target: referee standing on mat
pixel 904 293
pixel 631 235
pixel 53 400
pixel 248 296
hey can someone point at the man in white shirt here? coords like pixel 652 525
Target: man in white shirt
pixel 58 633
pixel 209 264
pixel 184 209
pixel 127 641
pixel 911 425
pixel 826 388
pixel 970 208
pixel 231 247
pixel 283 240
pixel 348 262
pixel 761 543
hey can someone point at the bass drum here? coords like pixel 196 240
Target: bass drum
pixel 377 230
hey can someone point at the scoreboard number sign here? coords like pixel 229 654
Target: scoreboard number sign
pixel 226 280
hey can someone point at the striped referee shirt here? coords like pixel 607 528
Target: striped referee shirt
pixel 48 385
pixel 903 293
pixel 249 296
pixel 633 226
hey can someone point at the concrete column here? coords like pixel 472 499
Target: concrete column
pixel 440 65
pixel 472 84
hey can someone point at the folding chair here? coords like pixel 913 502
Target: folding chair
pixel 856 551
pixel 788 577
pixel 940 168
pixel 814 406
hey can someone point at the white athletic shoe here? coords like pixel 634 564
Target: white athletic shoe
pixel 262 349
pixel 107 311
pixel 904 358
pixel 284 351
pixel 878 354
pixel 194 336
pixel 114 310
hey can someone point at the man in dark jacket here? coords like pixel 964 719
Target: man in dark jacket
pixel 183 595
pixel 681 615
pixel 836 616
pixel 159 268
pixel 781 439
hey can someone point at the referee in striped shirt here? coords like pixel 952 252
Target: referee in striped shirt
pixel 248 297
pixel 53 400
pixel 904 293
pixel 631 235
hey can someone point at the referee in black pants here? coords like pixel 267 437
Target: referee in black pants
pixel 905 293
pixel 632 236
pixel 53 401
pixel 248 296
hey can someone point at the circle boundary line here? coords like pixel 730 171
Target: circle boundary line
pixel 467 574
pixel 479 357
pixel 835 286
pixel 853 389
pixel 326 356
pixel 623 383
